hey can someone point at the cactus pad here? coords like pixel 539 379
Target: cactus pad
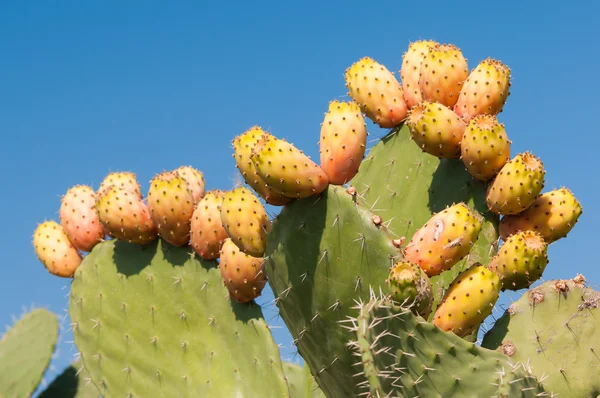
pixel 73 382
pixel 301 382
pixel 25 353
pixel 157 321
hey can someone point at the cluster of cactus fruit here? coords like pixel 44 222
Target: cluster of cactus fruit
pixel 384 265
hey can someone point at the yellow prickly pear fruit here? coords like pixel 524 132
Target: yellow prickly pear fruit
pixel 243 275
pixel 79 218
pixel 411 69
pixel 485 147
pixel 442 74
pixel 54 249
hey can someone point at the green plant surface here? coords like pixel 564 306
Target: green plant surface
pixel 73 382
pixel 300 381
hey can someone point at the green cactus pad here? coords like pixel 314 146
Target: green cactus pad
pixel 324 252
pixel 404 355
pixel 156 321
pixel 554 329
pixel 405 186
pixel 25 353
pixel 300 381
pixel 73 382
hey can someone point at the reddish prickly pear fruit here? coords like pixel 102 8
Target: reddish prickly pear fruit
pixel 470 299
pixel 521 260
pixel 243 145
pixel 436 129
pixel 54 249
pixel 243 275
pixel 411 287
pixel 125 215
pixel 485 91
pixel 343 141
pixel 517 185
pixel 123 179
pixel 246 221
pixel 79 218
pixel 552 214
pixel 171 205
pixel 442 74
pixel 194 179
pixel 207 233
pixel 445 239
pixel 411 69
pixel 485 147
pixel 287 170
pixel 377 91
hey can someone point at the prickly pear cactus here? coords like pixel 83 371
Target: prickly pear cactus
pixel 73 382
pixel 25 353
pixel 554 329
pixel 300 381
pixel 157 321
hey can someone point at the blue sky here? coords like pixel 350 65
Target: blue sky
pixel 92 87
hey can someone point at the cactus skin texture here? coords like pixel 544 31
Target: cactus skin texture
pixel 402 355
pixel 445 239
pixel 468 301
pixel 54 249
pixel 73 382
pixel 436 129
pixel 377 91
pixel 195 181
pixel 243 275
pixel 442 74
pixel 554 329
pixel 207 233
pixel 485 91
pixel 411 287
pixel 123 179
pixel 553 214
pixel 287 170
pixel 25 353
pixel 79 218
pixel 411 69
pixel 171 205
pixel 343 141
pixel 243 145
pixel 517 185
pixel 125 216
pixel 521 260
pixel 301 382
pixel 485 147
pixel 156 321
pixel 246 221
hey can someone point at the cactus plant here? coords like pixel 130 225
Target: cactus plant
pixel 73 382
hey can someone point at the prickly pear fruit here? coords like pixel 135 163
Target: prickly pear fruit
pixel 207 233
pixel 377 91
pixel 521 260
pixel 243 145
pixel 122 179
pixel 411 68
pixel 485 147
pixel 54 249
pixel 552 214
pixel 436 129
pixel 470 299
pixel 287 170
pixel 246 221
pixel 445 239
pixel 343 141
pixel 171 205
pixel 79 218
pixel 411 286
pixel 195 181
pixel 517 185
pixel 243 275
pixel 442 74
pixel 485 91
pixel 125 215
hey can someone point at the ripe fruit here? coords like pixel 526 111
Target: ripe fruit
pixel 485 148
pixel 243 275
pixel 442 74
pixel 79 218
pixel 122 179
pixel 195 181
pixel 411 69
pixel 343 141
pixel 207 233
pixel 411 287
pixel 377 91
pixel 436 129
pixel 517 185
pixel 54 249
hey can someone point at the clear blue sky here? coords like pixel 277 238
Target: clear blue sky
pixel 90 87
